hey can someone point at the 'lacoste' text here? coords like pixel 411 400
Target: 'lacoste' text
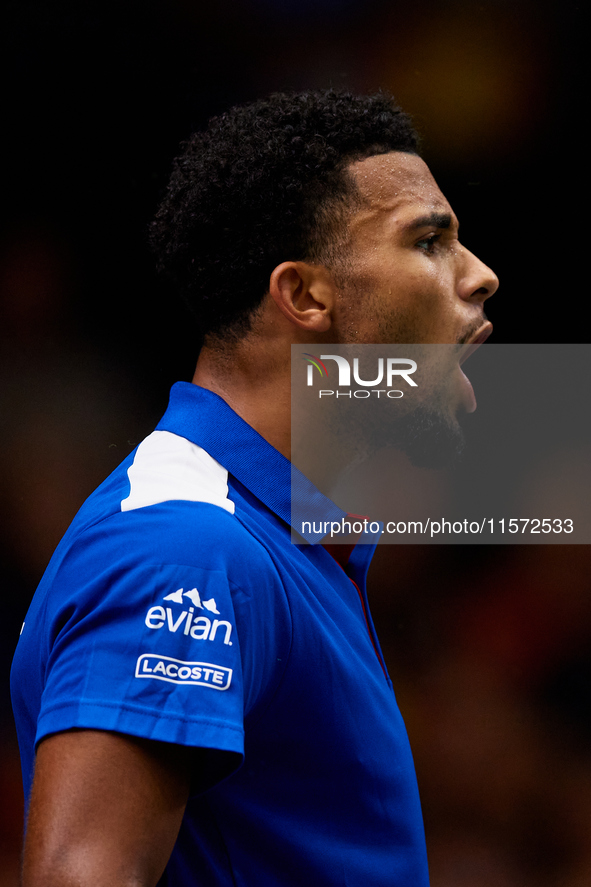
pixel 177 671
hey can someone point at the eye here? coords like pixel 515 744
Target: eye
pixel 428 244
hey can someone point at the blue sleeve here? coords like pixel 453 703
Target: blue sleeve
pixel 141 646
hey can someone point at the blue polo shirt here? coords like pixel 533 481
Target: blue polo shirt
pixel 177 608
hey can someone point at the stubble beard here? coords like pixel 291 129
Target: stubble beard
pixel 427 435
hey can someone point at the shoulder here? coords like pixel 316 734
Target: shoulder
pixel 167 467
pixel 168 504
pixel 166 500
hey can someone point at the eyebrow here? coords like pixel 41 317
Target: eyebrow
pixel 434 220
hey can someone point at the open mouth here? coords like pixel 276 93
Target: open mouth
pixel 468 396
pixel 470 347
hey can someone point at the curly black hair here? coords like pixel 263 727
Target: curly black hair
pixel 266 183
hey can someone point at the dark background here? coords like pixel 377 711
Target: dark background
pixel 488 647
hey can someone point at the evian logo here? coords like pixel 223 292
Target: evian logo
pixel 195 598
pixel 188 622
pixel 386 372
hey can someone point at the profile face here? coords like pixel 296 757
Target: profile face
pixel 407 279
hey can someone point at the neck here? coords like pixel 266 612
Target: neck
pixel 255 385
pixel 253 375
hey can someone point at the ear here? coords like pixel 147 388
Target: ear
pixel 305 294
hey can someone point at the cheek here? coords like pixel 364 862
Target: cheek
pixel 433 310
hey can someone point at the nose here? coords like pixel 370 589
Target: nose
pixel 477 282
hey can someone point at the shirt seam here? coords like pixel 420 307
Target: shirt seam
pixel 137 709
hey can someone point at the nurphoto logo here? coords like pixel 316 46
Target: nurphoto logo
pixel 388 371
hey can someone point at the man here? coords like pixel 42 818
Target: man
pixel 208 701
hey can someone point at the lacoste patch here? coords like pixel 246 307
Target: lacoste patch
pixel 177 671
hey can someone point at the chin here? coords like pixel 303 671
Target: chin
pixel 431 440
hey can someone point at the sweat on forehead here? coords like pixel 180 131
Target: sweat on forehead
pixel 389 180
